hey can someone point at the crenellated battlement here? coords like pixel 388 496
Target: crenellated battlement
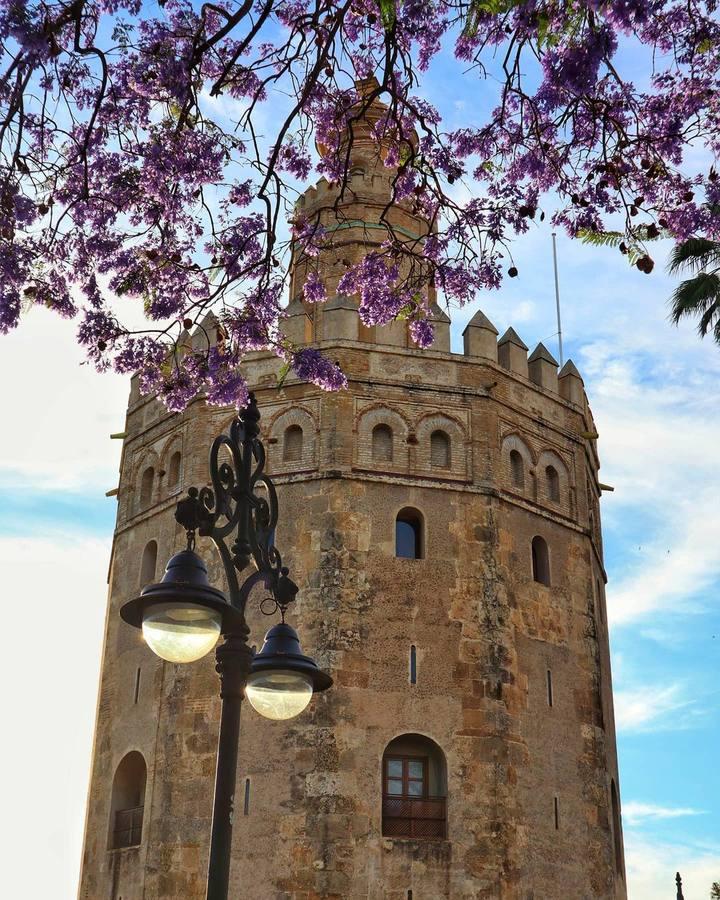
pixel 337 320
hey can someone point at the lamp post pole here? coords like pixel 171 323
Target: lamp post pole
pixel 233 665
pixel 242 502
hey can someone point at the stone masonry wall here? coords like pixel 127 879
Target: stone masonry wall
pixel 486 635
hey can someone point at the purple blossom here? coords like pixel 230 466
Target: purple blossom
pixel 421 331
pixel 314 289
pixel 311 366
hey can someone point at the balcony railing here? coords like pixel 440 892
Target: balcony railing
pixel 127 831
pixel 423 818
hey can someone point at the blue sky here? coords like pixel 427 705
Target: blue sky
pixel 653 389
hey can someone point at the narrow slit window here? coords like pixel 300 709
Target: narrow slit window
pixel 601 611
pixel 556 810
pixel 293 444
pixel 552 480
pixel 174 470
pixel 413 665
pixel 146 486
pixel 517 469
pixel 549 688
pixel 540 561
pixel 440 450
pixel 382 443
pixel 149 563
pixel 409 534
pixel 246 801
pixel 409 896
pixel 136 693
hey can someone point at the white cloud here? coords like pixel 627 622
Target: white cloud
pixel 54 612
pixel 651 868
pixel 655 707
pixel 635 812
pixel 59 414
pixel 652 388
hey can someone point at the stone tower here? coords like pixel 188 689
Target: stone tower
pixel 441 517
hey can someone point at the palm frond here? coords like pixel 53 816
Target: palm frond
pixel 694 254
pixel 698 296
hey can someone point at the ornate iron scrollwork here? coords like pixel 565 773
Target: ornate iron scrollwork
pixel 243 500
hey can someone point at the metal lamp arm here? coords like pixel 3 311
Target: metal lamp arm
pixel 243 500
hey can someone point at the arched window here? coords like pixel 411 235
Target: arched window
pixel 540 561
pixel 382 443
pixel 146 486
pixel 174 470
pixel 149 562
pixel 552 483
pixel 128 802
pixel 409 534
pixel 440 450
pixel 517 469
pixel 293 444
pixel 617 838
pixel 414 802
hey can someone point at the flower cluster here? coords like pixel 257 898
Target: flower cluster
pixel 150 155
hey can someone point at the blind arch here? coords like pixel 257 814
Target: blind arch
pixel 174 470
pixel 440 450
pixel 147 484
pixel 382 443
pixel 552 483
pixel 293 444
pixel 517 469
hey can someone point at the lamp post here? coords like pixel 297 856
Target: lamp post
pixel 183 615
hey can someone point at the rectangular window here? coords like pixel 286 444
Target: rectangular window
pixel 246 804
pixel 413 665
pixel 137 686
pixel 406 776
pixel 549 688
pixel 408 810
pixel 557 813
pixel 127 830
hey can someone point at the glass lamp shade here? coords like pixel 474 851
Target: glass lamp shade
pixel 181 632
pixel 280 693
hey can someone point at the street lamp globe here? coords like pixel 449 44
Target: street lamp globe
pixel 282 679
pixel 182 616
pixel 281 694
pixel 181 632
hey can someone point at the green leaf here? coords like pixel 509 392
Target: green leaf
pixel 388 13
pixel 705 46
pixel 472 20
pixel 612 239
pixel 600 238
pixel 283 373
pixel 404 312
